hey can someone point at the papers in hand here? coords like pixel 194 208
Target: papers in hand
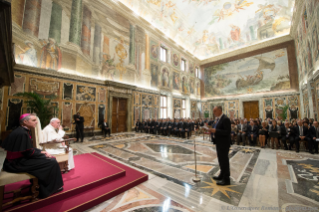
pixel 205 127
pixel 317 139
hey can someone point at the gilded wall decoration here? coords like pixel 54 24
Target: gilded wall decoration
pixel 177 103
pixel 146 113
pixel 137 111
pixel 192 86
pixel 88 113
pixel 18 86
pixel 55 105
pixel 102 95
pixel 177 113
pixel 147 100
pixel 175 60
pixel 155 113
pixel 67 91
pixel 67 115
pixel 85 93
pixel 44 88
pixel 185 86
pixel 136 99
pixel 1 98
pixel 294 104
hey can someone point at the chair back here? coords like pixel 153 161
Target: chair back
pixel 37 135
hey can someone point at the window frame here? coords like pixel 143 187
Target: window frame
pixel 183 64
pixel 163 107
pixel 163 48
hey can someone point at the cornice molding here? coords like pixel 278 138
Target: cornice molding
pixel 248 49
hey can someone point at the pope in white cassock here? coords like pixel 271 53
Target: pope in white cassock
pixel 54 131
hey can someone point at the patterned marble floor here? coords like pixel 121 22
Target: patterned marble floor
pixel 261 179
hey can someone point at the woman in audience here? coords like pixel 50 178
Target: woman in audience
pixel 274 134
pixel 262 134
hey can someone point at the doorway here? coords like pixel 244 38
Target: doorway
pixel 251 110
pixel 119 115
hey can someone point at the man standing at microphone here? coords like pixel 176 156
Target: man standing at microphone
pixel 221 134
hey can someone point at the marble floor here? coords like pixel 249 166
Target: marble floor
pixel 261 179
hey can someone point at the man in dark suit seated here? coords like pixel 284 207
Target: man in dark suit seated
pixel 170 127
pixel 153 127
pixel 148 125
pixel 287 134
pixel 252 133
pixel 188 128
pixel 221 137
pixel 137 125
pixel 175 127
pixel 105 128
pixel 164 127
pixel 142 126
pixel 314 131
pixel 241 132
pixel 301 134
pixel 181 130
pixel 160 126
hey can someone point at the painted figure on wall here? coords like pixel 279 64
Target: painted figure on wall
pixel 165 78
pixel 108 67
pixel 198 89
pixel 51 56
pixel 122 54
pixel 235 33
pixel 191 86
pixel 28 55
pixel 176 81
pixel 175 60
pixel 154 75
pixel 184 85
pixel 154 51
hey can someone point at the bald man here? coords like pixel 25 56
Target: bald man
pixel 54 131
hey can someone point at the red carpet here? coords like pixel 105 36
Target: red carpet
pixel 94 180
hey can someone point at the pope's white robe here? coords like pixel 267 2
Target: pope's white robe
pixel 49 134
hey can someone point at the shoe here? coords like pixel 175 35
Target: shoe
pixel 223 182
pixel 218 178
pixel 59 190
pixel 297 150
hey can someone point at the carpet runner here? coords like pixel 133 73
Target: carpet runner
pixel 94 180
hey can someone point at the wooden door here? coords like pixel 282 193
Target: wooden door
pixel 119 115
pixel 251 110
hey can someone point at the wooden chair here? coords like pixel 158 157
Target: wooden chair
pixel 7 178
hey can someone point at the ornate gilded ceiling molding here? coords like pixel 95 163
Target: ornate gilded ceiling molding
pixel 249 49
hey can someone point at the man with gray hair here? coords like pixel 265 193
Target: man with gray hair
pixel 54 131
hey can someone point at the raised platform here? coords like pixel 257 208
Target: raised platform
pixel 95 179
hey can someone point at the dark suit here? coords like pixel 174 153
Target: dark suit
pixel 137 126
pixel 105 129
pixel 181 129
pixel 188 129
pixel 241 136
pixel 79 127
pixel 252 130
pixel 170 128
pixel 222 139
pixel 314 133
pixel 298 133
pixel 287 135
pixel 148 127
pixel 175 128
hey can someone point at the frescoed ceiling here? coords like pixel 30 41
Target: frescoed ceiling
pixel 207 28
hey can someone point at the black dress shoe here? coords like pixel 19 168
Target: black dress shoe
pixel 217 177
pixel 297 151
pixel 223 182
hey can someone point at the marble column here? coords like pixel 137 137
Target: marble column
pixel 56 22
pixel 86 31
pixel 31 20
pixel 17 10
pixel 76 22
pixel 147 51
pixel 97 44
pixel 132 44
